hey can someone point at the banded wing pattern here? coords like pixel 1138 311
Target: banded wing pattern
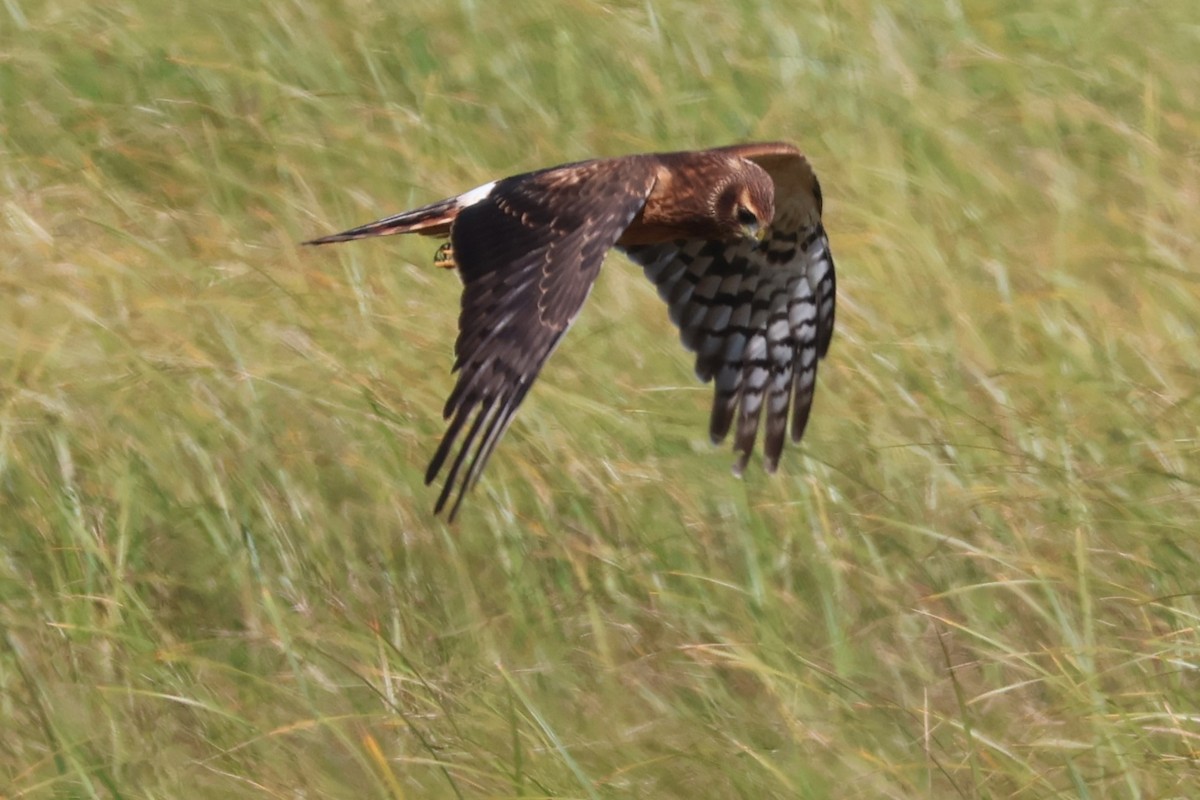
pixel 758 315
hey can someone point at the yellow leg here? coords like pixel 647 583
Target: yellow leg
pixel 444 257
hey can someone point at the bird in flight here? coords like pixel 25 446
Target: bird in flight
pixel 732 237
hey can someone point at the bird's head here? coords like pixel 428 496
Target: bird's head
pixel 745 204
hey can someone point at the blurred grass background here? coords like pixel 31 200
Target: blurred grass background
pixel 219 574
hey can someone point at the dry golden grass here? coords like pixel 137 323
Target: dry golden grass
pixel 219 576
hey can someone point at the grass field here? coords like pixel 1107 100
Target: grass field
pixel 978 576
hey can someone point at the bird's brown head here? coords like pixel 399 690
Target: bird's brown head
pixel 744 203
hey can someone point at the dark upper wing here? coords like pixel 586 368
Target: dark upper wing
pixel 528 254
pixel 758 315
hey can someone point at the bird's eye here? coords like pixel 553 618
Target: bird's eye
pixel 746 217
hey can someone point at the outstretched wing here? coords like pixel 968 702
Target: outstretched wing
pixel 758 315
pixel 528 253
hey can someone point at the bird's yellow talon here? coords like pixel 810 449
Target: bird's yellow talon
pixel 444 257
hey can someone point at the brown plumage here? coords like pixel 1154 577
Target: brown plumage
pixel 732 237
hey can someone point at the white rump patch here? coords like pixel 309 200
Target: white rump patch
pixel 475 195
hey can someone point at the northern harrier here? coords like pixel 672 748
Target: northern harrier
pixel 732 237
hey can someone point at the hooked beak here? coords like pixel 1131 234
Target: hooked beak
pixel 755 231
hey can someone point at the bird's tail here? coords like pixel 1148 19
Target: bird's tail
pixel 430 220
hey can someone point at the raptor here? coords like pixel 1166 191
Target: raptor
pixel 732 237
